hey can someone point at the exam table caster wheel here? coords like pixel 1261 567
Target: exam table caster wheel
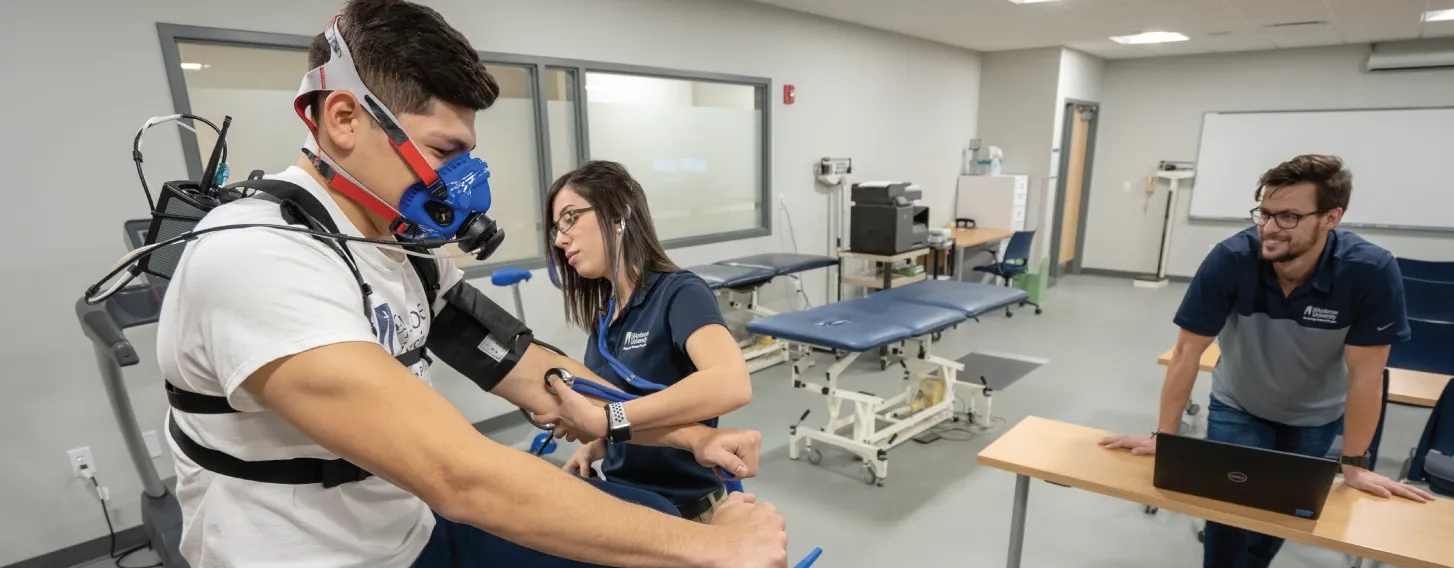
pixel 870 477
pixel 815 457
pixel 1150 510
pixel 1201 536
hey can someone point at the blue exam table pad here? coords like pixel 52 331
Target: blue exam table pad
pixel 783 263
pixel 887 317
pixel 725 276
pixel 971 298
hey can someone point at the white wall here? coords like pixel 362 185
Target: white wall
pixel 1022 105
pixel 902 108
pixel 1019 91
pixel 1153 110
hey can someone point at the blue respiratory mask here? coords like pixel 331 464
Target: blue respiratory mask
pixel 454 207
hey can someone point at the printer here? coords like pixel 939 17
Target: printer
pixel 884 219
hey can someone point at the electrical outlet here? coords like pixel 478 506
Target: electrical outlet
pixel 153 445
pixel 81 456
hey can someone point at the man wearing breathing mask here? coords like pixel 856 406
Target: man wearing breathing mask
pixel 304 428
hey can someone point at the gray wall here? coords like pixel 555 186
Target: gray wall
pixel 1017 100
pixel 1022 102
pixel 1153 110
pixel 92 73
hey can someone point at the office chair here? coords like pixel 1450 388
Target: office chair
pixel 1426 350
pixel 1426 269
pixel 1429 300
pixel 1015 263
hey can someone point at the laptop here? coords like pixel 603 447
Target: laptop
pixel 1275 481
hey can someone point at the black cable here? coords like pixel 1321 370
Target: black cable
pixel 111 534
pixel 136 152
pixel 191 235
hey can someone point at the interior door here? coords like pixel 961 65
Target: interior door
pixel 1074 184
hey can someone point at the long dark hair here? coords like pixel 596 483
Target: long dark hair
pixel 614 195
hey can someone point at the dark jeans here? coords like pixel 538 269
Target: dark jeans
pixel 455 545
pixel 1231 547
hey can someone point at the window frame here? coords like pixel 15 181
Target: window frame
pixel 172 34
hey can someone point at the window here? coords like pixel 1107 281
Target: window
pixel 697 142
pixel 255 86
pixel 695 146
pixel 560 97
pixel 505 139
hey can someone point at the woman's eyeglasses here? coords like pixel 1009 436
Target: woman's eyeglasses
pixel 1285 220
pixel 566 221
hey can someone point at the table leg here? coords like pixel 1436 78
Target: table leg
pixel 1017 520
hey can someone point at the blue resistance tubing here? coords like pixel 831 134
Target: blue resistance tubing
pixel 809 559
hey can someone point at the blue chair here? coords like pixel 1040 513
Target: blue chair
pixel 1015 263
pixel 1428 349
pixel 512 277
pixel 1432 460
pixel 1426 269
pixel 1429 300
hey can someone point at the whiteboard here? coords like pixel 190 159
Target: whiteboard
pixel 1398 159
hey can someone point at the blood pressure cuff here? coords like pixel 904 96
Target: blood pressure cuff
pixel 477 337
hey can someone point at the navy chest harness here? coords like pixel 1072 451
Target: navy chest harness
pixel 299 207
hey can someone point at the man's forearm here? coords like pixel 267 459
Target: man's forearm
pixel 525 385
pixel 1181 376
pixel 532 503
pixel 1365 397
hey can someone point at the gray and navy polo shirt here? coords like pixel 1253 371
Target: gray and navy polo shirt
pixel 1282 356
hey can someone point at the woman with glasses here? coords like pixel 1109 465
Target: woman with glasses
pixel 656 332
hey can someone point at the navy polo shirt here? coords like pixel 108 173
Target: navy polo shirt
pixel 650 338
pixel 1282 355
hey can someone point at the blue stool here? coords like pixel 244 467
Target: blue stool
pixel 512 277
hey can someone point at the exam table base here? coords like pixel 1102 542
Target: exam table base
pixel 865 439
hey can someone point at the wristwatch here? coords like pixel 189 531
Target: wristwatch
pixel 1363 461
pixel 618 428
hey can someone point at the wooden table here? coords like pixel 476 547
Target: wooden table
pixel 968 239
pixel 1395 531
pixel 1404 386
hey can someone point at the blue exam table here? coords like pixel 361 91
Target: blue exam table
pixel 738 277
pixel 909 313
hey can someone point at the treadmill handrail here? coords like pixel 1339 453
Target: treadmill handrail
pixel 102 329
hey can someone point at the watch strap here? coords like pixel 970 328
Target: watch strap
pixel 618 428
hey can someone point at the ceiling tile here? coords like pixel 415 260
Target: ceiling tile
pixel 1325 36
pixel 1236 41
pixel 1262 12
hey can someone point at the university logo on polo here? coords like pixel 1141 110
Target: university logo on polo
pixel 635 340
pixel 1320 315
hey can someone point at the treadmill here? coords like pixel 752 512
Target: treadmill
pixel 104 323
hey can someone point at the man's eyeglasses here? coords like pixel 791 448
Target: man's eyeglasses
pixel 1286 219
pixel 566 221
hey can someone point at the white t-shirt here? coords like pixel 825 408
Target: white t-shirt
pixel 242 298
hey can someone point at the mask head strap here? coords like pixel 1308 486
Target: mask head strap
pixel 339 74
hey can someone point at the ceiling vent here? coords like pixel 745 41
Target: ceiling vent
pixel 1403 56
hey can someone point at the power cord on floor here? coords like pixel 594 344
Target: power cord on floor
pixel 103 496
pixel 962 429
